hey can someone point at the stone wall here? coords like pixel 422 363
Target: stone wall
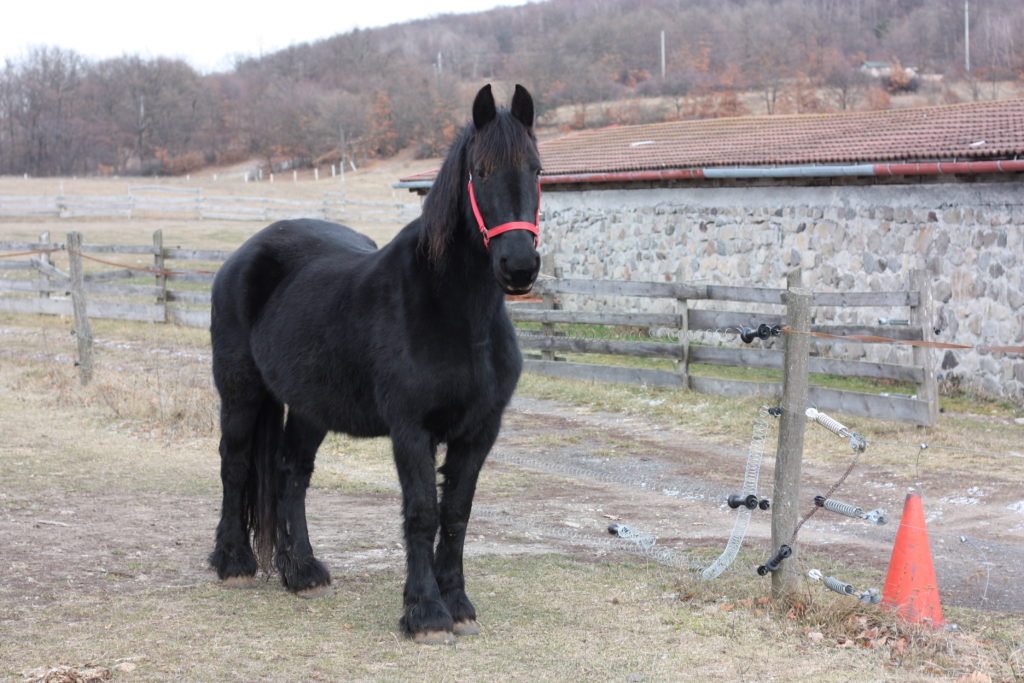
pixel 968 237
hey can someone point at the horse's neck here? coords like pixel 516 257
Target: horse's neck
pixel 465 285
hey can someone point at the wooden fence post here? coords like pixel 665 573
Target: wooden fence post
pixel 83 330
pixel 158 265
pixel 44 258
pixel 683 311
pixel 548 298
pixel 922 316
pixel 786 496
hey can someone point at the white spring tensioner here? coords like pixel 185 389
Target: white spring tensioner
pixel 857 442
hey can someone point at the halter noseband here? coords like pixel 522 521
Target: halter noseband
pixel 504 227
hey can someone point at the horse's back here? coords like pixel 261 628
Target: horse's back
pixel 255 270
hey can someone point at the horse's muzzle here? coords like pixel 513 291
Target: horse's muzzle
pixel 517 275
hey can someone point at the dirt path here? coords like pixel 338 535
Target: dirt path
pixel 558 476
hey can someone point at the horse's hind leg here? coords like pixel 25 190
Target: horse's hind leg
pixel 461 470
pixel 300 571
pixel 233 557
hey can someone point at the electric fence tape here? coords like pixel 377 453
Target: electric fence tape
pixel 758 439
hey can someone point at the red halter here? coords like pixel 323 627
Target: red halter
pixel 504 227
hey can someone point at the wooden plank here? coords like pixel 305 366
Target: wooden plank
pixel 191 277
pixel 754 357
pixel 119 274
pixel 148 291
pixel 189 297
pixel 748 294
pixel 892 408
pixel 36 306
pixel 16 265
pixel 734 387
pixel 21 285
pixel 94 309
pixel 117 249
pixel 637 349
pixel 618 288
pixel 49 270
pixel 27 246
pixel 856 299
pixel 188 318
pixel 208 255
pixel 594 317
pixel 903 332
pixel 720 320
pixel 701 319
pixel 603 373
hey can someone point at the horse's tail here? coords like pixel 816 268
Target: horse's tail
pixel 260 498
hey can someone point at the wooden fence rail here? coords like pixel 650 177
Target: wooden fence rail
pixel 193 203
pixel 114 286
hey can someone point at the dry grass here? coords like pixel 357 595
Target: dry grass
pixel 547 617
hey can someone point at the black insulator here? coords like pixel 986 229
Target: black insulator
pixel 776 330
pixel 613 529
pixel 747 335
pixel 775 412
pixel 819 501
pixel 775 563
pixel 738 499
pixel 764 504
pixel 763 331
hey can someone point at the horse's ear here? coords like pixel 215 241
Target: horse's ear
pixel 484 109
pixel 522 106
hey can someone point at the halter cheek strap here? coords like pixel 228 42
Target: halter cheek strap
pixel 504 227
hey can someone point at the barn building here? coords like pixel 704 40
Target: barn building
pixel 857 200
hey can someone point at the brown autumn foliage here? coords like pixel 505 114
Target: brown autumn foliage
pixel 371 92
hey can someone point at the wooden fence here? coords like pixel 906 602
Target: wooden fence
pixel 687 319
pixel 161 201
pixel 179 293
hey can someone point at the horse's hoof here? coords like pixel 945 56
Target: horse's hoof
pixel 434 638
pixel 315 592
pixel 239 582
pixel 469 627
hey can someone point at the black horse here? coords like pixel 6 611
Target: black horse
pixel 315 329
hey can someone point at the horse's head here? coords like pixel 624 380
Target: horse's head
pixel 503 184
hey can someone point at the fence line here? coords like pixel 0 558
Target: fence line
pixel 178 292
pixel 687 322
pixel 193 203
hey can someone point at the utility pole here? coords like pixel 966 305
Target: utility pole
pixel 967 36
pixel 663 55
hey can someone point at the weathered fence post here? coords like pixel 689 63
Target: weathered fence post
pixel 44 258
pixel 786 496
pixel 161 272
pixel 683 311
pixel 922 316
pixel 548 298
pixel 83 330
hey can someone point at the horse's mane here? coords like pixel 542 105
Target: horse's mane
pixel 502 142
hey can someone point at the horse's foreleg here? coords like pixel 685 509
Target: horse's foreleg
pixel 426 616
pixel 461 470
pixel 300 571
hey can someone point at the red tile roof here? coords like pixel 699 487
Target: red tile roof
pixel 964 132
pixel 980 130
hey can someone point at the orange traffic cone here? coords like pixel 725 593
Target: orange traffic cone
pixel 910 586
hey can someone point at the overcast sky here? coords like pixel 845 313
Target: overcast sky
pixel 206 33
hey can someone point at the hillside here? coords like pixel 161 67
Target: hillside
pixel 368 93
